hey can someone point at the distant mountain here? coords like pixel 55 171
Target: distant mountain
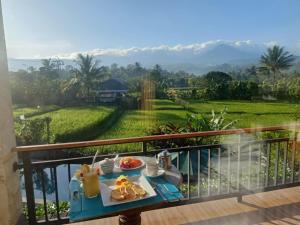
pixel 197 58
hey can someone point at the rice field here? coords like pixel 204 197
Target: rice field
pixel 251 114
pixel 248 114
pixel 77 123
pixel 88 122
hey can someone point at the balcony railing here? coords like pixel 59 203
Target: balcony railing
pixel 243 161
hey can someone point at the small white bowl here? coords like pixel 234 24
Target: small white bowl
pixel 107 165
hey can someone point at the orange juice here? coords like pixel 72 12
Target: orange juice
pixel 90 184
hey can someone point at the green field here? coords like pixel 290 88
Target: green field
pixel 137 122
pixel 250 114
pixel 77 123
pixel 86 123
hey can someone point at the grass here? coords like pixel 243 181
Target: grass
pixel 250 114
pixel 33 111
pixel 77 123
pixel 86 123
pixel 135 123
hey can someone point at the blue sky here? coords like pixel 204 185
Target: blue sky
pixel 40 28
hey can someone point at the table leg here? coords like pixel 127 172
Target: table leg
pixel 133 218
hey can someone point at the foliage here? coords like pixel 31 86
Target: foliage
pixel 245 90
pixel 31 88
pixel 59 84
pixel 34 111
pixel 33 131
pixel 64 208
pixel 160 83
pixel 193 123
pixel 275 60
pixel 85 77
pixel 216 77
pixel 202 122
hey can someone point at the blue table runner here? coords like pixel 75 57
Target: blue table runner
pixel 87 208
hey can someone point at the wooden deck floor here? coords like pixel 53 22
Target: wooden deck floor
pixel 276 207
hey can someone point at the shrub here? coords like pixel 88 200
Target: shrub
pixel 33 131
pixel 193 123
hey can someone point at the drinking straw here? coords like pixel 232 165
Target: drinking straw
pixel 93 163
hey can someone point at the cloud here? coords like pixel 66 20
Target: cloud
pixel 271 43
pixel 195 48
pixel 61 49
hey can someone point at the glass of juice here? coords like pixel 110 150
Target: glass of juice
pixel 90 184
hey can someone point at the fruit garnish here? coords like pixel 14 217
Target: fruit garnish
pixel 85 168
pixel 121 179
pixel 130 162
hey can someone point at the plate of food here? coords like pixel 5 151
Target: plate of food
pixel 125 189
pixel 129 163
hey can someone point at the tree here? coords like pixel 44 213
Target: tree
pixel 50 68
pixel 275 60
pixel 251 73
pixel 159 81
pixel 217 77
pixel 87 75
pixel 217 83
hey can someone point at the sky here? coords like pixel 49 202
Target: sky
pixel 40 28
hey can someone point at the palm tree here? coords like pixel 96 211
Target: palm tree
pixel 87 74
pixel 275 60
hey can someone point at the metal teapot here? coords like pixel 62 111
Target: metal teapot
pixel 164 159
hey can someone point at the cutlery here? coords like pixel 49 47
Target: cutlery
pixel 159 192
pixel 163 191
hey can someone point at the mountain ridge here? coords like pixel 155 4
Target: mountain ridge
pixel 197 58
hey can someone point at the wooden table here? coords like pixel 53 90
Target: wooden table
pixel 132 216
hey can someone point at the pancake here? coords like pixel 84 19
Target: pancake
pixel 117 194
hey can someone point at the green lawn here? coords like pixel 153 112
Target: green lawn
pixel 77 123
pixel 251 114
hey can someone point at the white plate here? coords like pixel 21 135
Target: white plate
pixel 117 164
pixel 107 186
pixel 160 172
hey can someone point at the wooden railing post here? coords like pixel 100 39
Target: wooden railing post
pixel 29 187
pixel 293 154
pixel 144 147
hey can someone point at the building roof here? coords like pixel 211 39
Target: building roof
pixel 112 84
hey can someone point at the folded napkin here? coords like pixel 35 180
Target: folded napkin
pixel 168 191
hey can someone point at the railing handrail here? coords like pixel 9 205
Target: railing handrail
pixel 81 144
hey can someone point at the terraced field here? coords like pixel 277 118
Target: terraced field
pixel 77 123
pixel 251 114
pixel 101 122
